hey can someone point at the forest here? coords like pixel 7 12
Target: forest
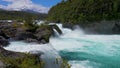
pixel 84 11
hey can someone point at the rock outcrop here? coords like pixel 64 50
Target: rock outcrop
pixel 43 33
pixel 9 29
pixel 24 36
pixel 20 33
pixel 10 59
pixel 3 41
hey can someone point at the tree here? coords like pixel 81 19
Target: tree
pixel 79 11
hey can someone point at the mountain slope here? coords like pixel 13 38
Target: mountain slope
pixel 20 15
pixel 77 11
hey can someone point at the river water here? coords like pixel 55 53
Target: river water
pixel 88 51
pixel 81 50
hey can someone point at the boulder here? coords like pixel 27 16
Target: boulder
pixel 40 35
pixel 3 41
pixel 9 30
pixel 43 36
pixel 43 33
pixel 24 36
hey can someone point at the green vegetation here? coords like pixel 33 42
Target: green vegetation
pixel 20 15
pixel 28 61
pixel 79 11
pixel 30 24
pixel 65 64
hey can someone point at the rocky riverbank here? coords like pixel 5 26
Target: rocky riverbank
pixel 18 32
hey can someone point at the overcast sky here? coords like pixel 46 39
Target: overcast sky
pixel 37 5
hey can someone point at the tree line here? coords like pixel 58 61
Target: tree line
pixel 21 15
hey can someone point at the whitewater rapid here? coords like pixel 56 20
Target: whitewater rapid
pixel 88 51
pixel 81 50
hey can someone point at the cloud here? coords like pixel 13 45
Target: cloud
pixel 24 5
pixel 2 6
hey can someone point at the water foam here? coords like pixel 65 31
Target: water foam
pixel 83 64
pixel 49 54
pixel 76 46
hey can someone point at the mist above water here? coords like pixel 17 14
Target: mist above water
pixel 88 51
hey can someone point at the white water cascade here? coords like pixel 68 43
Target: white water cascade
pixel 81 50
pixel 88 51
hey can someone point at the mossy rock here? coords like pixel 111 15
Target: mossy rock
pixel 65 64
pixel 20 60
pixel 44 32
pixel 27 61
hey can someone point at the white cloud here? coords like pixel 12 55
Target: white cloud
pixel 1 6
pixel 24 4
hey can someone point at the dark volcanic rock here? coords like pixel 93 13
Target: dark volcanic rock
pixel 3 41
pixel 3 34
pixel 24 36
pixel 43 34
pixel 8 29
pixel 18 33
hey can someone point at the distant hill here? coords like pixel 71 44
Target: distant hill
pixel 20 15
